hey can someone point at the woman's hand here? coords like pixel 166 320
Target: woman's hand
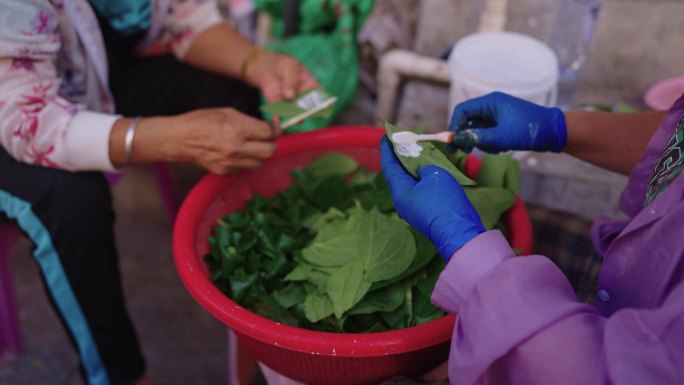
pixel 222 50
pixel 500 122
pixel 278 76
pixel 435 204
pixel 222 140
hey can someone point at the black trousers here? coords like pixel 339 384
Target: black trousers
pixel 69 217
pixel 161 85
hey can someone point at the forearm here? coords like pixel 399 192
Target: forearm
pixel 220 49
pixel 222 140
pixel 152 142
pixel 614 141
pixel 523 312
pixel 513 310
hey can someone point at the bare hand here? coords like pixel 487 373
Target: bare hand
pixel 279 76
pixel 224 140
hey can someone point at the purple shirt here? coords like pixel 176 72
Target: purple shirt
pixel 520 322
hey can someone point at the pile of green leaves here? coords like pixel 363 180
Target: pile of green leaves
pixel 329 253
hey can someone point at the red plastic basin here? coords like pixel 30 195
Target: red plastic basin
pixel 304 355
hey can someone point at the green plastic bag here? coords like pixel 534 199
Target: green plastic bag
pixel 326 44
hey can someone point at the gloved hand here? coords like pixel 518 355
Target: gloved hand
pixel 500 122
pixel 435 205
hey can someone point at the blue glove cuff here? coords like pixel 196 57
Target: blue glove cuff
pixel 560 128
pixel 449 242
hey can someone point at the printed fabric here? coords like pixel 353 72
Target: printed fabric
pixel 56 109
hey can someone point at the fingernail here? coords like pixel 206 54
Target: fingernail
pixel 289 94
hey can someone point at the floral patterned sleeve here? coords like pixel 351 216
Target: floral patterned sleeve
pixel 37 126
pixel 186 19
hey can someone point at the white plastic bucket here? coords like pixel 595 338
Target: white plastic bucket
pixel 509 62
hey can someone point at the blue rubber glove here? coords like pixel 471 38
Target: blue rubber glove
pixel 500 122
pixel 435 205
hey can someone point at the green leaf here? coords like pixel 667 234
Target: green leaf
pixel 299 273
pixel 276 267
pixel 337 323
pixel 421 304
pixel 492 170
pixel 381 200
pixel 335 244
pixel 421 129
pixel 362 177
pixel 512 178
pixel 289 295
pixel 270 309
pixel 240 283
pixel 245 244
pixel 376 328
pixel 430 155
pixel 385 245
pixel 458 158
pixel 421 318
pixel 319 278
pixel 395 319
pixel 378 196
pixel 363 323
pixel 385 299
pixel 317 306
pixel 432 271
pixel 299 104
pixel 490 203
pixel 333 164
pixel 323 192
pixel 425 252
pixel 499 171
pixel 315 275
pixel 346 286
pixel 315 222
pixel 408 306
pixel 222 235
pixel 284 109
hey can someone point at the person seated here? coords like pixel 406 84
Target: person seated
pixel 519 320
pixel 78 98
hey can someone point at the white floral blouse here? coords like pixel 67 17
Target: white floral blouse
pixel 56 109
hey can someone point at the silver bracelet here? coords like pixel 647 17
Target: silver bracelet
pixel 128 139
